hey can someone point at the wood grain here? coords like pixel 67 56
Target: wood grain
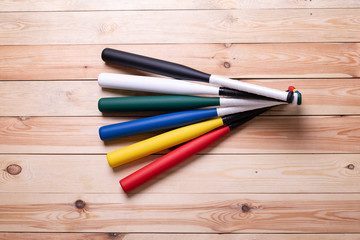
pixel 285 173
pixel 297 60
pixel 262 135
pixel 250 213
pixel 80 98
pixel 225 26
pixel 290 174
pixel 164 236
pixel 92 5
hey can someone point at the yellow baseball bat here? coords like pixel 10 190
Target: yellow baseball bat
pixel 161 142
pixel 173 138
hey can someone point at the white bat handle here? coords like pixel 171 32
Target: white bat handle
pixel 243 102
pixel 250 88
pixel 231 110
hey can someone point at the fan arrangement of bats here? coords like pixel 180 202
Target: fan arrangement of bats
pixel 197 121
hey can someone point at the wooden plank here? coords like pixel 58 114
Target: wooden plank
pixel 286 173
pixel 261 135
pixel 79 98
pixel 225 26
pixel 92 5
pixel 250 213
pixel 166 236
pixel 296 60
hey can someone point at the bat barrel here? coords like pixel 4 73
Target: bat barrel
pixel 155 123
pixel 152 65
pixel 158 85
pixel 171 159
pixel 156 103
pixel 161 142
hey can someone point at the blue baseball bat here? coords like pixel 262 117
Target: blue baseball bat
pixel 170 120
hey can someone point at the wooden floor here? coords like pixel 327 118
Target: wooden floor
pixel 292 173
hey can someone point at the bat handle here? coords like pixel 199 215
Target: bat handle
pixel 153 65
pixel 171 159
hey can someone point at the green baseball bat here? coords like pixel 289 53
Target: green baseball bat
pixel 174 103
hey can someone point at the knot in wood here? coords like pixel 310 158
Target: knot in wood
pixel 80 204
pixel 351 166
pixel 227 65
pixel 245 208
pixel 14 169
pixel 113 235
pixel 23 118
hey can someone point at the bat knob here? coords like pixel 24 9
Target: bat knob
pixel 296 96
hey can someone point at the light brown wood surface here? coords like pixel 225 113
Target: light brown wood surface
pixel 320 213
pixel 164 236
pixel 292 173
pixel 188 26
pixel 81 5
pixel 246 173
pixel 279 60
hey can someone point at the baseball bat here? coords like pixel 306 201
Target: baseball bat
pixel 169 120
pixel 177 156
pixel 172 103
pixel 164 85
pixel 179 71
pixel 171 138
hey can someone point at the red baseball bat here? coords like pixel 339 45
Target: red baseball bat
pixel 177 156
